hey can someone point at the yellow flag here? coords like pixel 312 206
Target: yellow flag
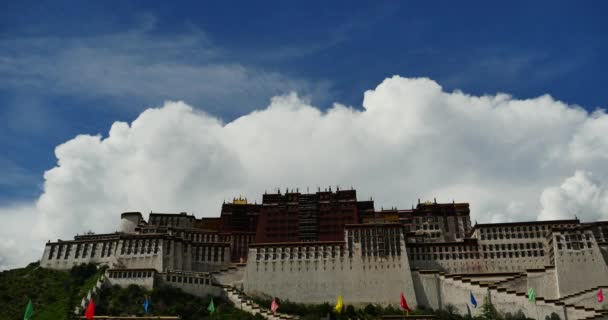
pixel 339 305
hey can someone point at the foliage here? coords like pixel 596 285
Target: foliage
pixel 488 311
pixel 117 301
pixel 553 316
pixel 54 294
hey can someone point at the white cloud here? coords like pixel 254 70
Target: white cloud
pixel 140 66
pixel 412 140
pixel 580 195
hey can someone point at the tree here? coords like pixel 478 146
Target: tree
pixel 488 311
pixel 371 310
pixel 350 311
pixel 553 316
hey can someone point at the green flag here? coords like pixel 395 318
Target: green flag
pixel 211 307
pixel 531 296
pixel 29 310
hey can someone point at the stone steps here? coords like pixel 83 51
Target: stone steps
pixel 241 300
pixel 574 311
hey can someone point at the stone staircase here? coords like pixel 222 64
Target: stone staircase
pixel 92 293
pixel 228 279
pixel 239 299
pixel 500 292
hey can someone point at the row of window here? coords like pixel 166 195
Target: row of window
pixel 427 249
pixel 129 274
pixel 208 254
pixel 140 246
pixel 82 250
pixel 515 229
pixel 299 255
pixel 300 249
pixel 513 246
pixel 517 235
pixel 191 280
pixel 574 245
pixel 573 237
pixel 477 255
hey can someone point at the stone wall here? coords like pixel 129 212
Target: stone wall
pixel 457 293
pixel 543 282
pixel 198 284
pixel 578 262
pixel 317 273
pixel 127 277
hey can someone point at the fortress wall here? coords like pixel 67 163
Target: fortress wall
pixel 199 285
pixel 581 267
pixel 321 277
pixel 426 287
pixel 125 278
pixel 589 299
pixel 378 281
pixel 469 262
pixel 544 283
pixel 458 295
pixel 64 255
pixel 209 256
pixel 519 284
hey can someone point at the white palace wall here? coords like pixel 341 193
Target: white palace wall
pixel 322 277
pixel 578 261
pixel 435 291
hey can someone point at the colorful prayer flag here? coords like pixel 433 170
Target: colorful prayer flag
pixel 211 307
pixel 274 306
pixel 339 305
pixel 90 312
pixel 600 295
pixel 531 296
pixel 146 304
pixel 29 310
pixel 403 303
pixel 473 301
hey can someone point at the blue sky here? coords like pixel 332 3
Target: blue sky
pixel 67 70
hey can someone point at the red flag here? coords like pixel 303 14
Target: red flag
pixel 90 312
pixel 403 303
pixel 600 296
pixel 274 306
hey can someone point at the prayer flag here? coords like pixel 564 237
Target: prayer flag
pixel 146 304
pixel 29 310
pixel 339 304
pixel 274 306
pixel 403 303
pixel 473 301
pixel 600 295
pixel 90 312
pixel 531 296
pixel 211 307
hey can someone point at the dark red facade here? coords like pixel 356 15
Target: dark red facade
pixel 320 216
pixel 237 225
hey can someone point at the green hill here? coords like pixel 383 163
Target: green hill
pixel 54 293
pixel 116 301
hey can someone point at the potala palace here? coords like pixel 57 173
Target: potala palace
pixel 312 247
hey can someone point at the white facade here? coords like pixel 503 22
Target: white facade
pixel 564 262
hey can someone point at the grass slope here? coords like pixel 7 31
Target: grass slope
pixel 116 301
pixel 54 293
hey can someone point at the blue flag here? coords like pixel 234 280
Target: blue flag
pixel 473 301
pixel 146 304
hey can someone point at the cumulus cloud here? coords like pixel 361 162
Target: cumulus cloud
pixel 580 195
pixel 411 140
